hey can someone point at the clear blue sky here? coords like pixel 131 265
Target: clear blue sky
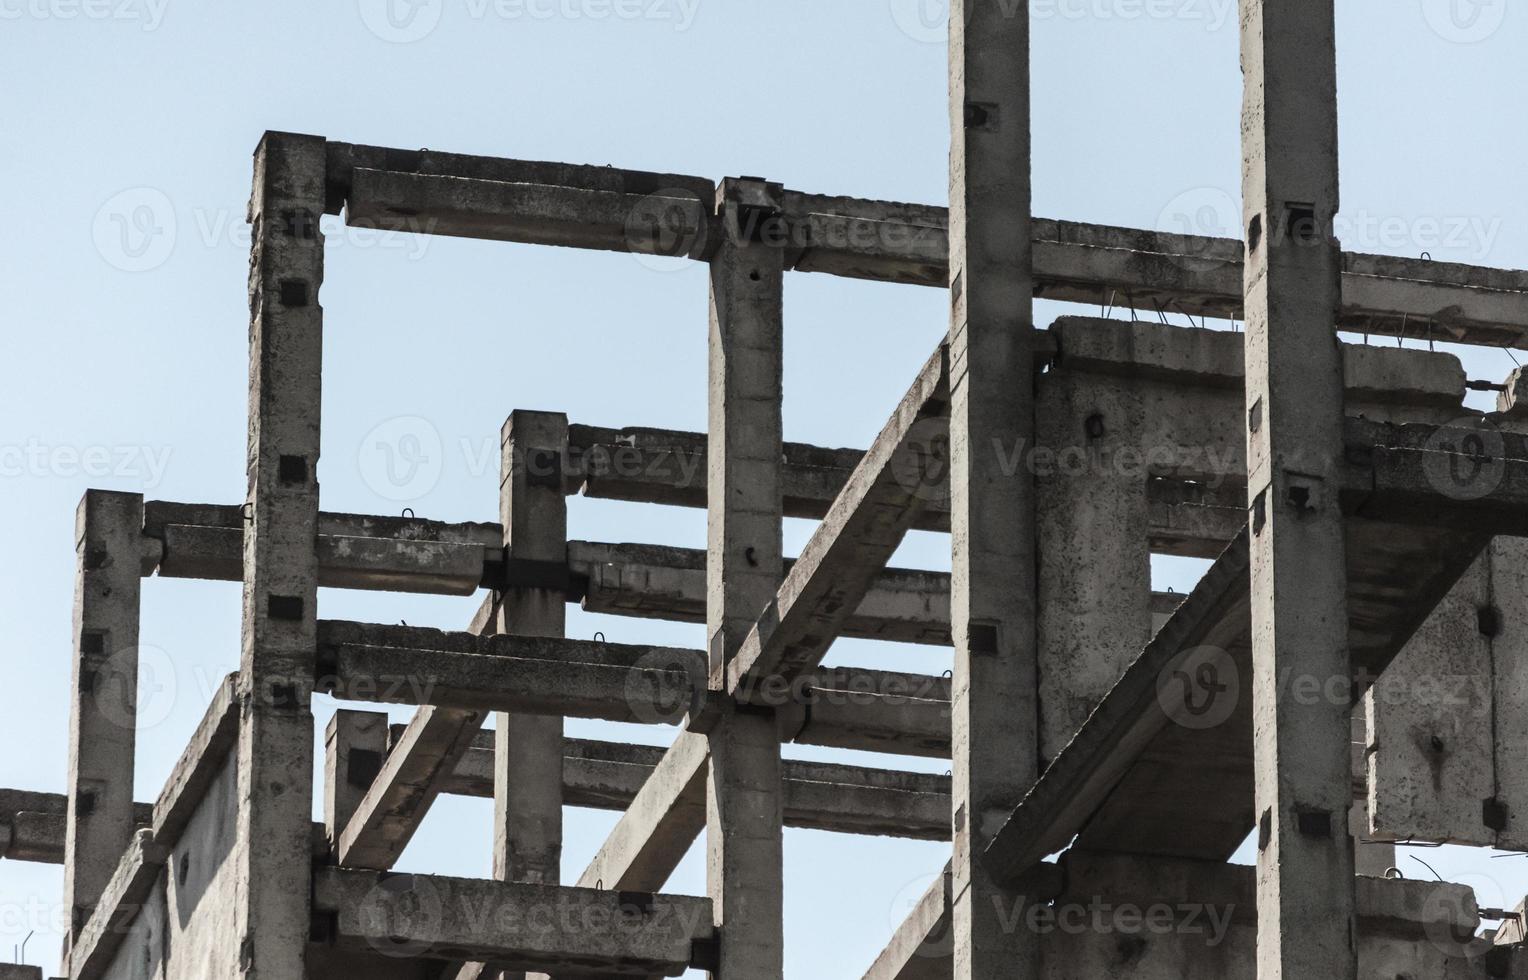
pixel 125 140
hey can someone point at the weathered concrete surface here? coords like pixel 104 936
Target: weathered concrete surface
pixel 623 210
pixel 280 561
pixel 1302 759
pixel 529 927
pixel 850 548
pixel 1156 771
pixel 528 748
pixel 1123 916
pixel 995 712
pixel 128 889
pixel 818 795
pixel 659 582
pixel 103 704
pixel 418 762
pixel 920 948
pixel 528 765
pixel 1509 689
pixel 745 874
pixel 355 744
pixel 877 711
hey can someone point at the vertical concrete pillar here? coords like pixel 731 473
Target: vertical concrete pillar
pixel 1093 524
pixel 104 696
pixel 1294 375
pixel 994 728
pixel 527 788
pixel 275 759
pixel 744 839
pixel 355 744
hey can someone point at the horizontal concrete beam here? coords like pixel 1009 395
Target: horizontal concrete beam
pixel 607 208
pixel 355 551
pixel 848 707
pixel 660 582
pixel 550 928
pixel 32 825
pixel 818 795
pixel 1203 900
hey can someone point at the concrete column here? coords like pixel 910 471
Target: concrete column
pixel 994 726
pixel 528 748
pixel 744 840
pixel 1301 746
pixel 104 696
pixel 1093 529
pixel 354 746
pixel 275 758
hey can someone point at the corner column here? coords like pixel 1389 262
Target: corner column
pixel 108 528
pixel 1305 883
pixel 744 837
pixel 994 723
pixel 275 756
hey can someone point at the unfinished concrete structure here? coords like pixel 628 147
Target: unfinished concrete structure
pixel 1109 748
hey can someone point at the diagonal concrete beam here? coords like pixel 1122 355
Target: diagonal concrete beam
pixel 659 826
pixel 920 948
pixel 850 548
pixel 422 759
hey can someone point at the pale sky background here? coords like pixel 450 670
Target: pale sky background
pixel 126 128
